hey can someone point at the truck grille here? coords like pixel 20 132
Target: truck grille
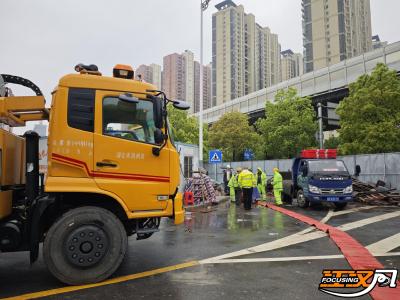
pixel 332 191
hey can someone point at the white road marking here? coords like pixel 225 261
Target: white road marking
pixel 296 238
pixel 385 245
pixel 299 238
pixel 328 216
pixel 294 258
pixel 351 210
pixel 275 259
pixel 280 243
pixel 363 222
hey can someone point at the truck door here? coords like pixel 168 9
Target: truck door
pixel 301 179
pixel 123 160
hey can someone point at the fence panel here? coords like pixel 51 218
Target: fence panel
pixel 258 164
pixel 349 161
pixel 269 166
pixel 372 167
pixel 285 164
pixel 392 169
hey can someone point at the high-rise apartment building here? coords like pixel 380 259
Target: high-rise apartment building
pixel 334 30
pixel 189 77
pixel 181 80
pixel 230 44
pixel 298 58
pixel 207 90
pixel 206 86
pixel 291 64
pixel 143 73
pixel 174 76
pixel 150 74
pixel 267 58
pixel 245 56
pixel 156 75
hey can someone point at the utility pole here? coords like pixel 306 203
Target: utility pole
pixel 203 7
pixel 321 133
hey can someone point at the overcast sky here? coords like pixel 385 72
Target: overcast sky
pixel 43 39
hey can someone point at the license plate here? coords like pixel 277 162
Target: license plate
pixel 333 198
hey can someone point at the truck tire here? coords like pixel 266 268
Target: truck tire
pixel 301 200
pixel 341 205
pixel 86 245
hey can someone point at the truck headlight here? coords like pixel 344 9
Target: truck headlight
pixel 314 189
pixel 348 190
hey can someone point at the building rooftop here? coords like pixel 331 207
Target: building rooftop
pixel 375 38
pixel 287 52
pixel 225 4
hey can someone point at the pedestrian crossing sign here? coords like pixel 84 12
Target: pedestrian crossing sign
pixel 215 156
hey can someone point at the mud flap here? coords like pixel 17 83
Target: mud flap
pixel 179 211
pixel 39 206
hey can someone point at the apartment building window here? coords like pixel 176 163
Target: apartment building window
pixel 188 166
pixel 340 6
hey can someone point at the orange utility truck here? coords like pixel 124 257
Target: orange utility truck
pixel 113 171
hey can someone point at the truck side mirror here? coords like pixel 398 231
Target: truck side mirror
pixel 181 105
pixel 159 136
pixel 158 112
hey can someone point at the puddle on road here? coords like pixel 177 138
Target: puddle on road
pixel 232 218
pixel 195 277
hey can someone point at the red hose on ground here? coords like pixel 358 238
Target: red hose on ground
pixel 356 254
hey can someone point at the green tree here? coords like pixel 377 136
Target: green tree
pixel 332 143
pixel 232 134
pixel 289 125
pixel 370 115
pixel 185 128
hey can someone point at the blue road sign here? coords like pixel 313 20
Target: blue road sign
pixel 214 156
pixel 248 154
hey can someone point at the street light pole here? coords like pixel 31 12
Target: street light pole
pixel 321 133
pixel 203 7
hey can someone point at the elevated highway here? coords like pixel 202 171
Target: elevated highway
pixel 328 86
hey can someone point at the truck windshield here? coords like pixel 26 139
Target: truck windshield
pixel 327 166
pixel 130 121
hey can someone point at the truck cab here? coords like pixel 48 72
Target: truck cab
pixel 321 178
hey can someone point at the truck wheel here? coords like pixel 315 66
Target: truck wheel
pixel 341 205
pixel 301 200
pixel 86 245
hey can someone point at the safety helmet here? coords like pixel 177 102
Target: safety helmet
pixel 228 166
pixel 239 169
pixel 276 170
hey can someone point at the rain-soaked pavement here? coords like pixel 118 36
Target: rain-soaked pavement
pixel 279 268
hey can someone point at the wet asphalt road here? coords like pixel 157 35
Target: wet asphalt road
pixel 209 233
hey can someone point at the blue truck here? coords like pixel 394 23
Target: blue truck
pixel 316 180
